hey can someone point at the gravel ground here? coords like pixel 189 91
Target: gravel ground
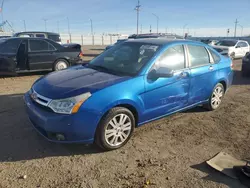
pixel 170 152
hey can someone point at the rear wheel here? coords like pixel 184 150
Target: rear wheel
pixel 216 97
pixel 115 129
pixel 61 64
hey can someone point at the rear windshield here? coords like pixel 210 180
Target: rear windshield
pixel 226 43
pixel 55 38
pixel 9 46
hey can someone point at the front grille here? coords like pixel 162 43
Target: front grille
pixel 46 108
pixel 39 100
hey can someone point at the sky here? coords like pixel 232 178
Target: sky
pixel 200 18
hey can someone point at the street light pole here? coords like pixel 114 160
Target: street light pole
pixel 68 25
pixel 45 24
pixel 137 8
pixel 241 29
pixel 184 29
pixel 157 18
pixel 235 29
pixel 24 25
pixel 92 32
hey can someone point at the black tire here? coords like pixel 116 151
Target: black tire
pixel 63 62
pixel 100 140
pixel 209 105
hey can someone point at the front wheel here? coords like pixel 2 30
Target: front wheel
pixel 115 129
pixel 216 97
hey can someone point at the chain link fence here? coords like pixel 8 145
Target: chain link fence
pixel 90 40
pixel 83 39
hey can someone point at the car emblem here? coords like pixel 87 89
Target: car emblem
pixel 34 96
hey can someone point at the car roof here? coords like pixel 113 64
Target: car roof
pixel 162 41
pixel 26 32
pixel 35 38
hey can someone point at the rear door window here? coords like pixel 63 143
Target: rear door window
pixel 198 56
pixel 40 46
pixel 10 46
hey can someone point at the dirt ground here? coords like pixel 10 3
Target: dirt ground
pixel 170 152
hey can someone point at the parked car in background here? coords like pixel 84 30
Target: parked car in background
pixel 4 36
pixel 155 35
pixel 246 65
pixel 125 87
pixel 36 34
pixel 117 42
pixel 232 48
pixel 34 54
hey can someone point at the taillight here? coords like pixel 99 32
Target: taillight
pixel 81 54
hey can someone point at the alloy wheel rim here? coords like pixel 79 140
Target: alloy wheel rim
pixel 217 97
pixel 118 130
pixel 61 65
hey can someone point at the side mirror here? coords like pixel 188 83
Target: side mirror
pixel 161 72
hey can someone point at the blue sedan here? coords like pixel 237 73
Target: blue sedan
pixel 131 84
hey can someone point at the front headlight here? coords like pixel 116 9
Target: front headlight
pixel 68 105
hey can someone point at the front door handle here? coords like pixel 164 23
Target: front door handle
pixel 183 75
pixel 211 68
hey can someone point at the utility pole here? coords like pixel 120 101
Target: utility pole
pixel 150 29
pixel 58 30
pixel 157 18
pixel 235 29
pixel 24 25
pixel 45 24
pixel 137 8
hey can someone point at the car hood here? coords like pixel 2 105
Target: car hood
pixel 74 81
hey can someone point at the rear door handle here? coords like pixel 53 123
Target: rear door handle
pixel 211 68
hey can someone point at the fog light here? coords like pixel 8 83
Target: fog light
pixel 60 137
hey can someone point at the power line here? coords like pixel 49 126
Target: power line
pixel 137 8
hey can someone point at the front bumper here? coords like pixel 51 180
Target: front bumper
pixel 76 128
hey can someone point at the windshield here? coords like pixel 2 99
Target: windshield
pixel 126 58
pixel 226 43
